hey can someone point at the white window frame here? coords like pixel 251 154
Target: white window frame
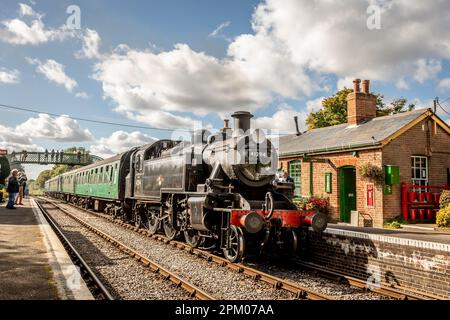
pixel 416 164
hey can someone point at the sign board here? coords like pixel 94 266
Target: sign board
pixel 370 195
pixel 3 152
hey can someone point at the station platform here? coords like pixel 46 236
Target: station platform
pixel 33 263
pixel 412 232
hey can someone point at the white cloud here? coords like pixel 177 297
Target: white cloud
pixel 9 76
pixel 20 32
pixel 427 69
pixel 217 32
pixel 282 120
pixel 445 84
pixel 118 142
pixel 26 10
pixel 14 140
pixel 314 105
pixel 82 95
pixel 54 72
pixel 91 42
pixel 62 129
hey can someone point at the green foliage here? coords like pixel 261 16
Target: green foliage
pixel 5 169
pixel 34 188
pixel 396 106
pixel 395 223
pixel 445 199
pixel 334 109
pixel 443 217
pixel 42 178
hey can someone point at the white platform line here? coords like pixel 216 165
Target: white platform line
pixel 69 283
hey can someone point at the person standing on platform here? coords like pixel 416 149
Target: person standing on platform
pixel 12 189
pixel 22 185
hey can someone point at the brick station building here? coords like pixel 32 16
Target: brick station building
pixel 324 162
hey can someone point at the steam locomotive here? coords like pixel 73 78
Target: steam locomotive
pixel 218 191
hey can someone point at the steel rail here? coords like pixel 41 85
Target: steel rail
pixel 298 291
pixel 382 289
pixel 98 290
pixel 193 290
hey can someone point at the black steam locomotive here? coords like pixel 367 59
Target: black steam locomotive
pixel 218 191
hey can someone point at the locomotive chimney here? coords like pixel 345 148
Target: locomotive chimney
pixel 226 123
pixel 242 120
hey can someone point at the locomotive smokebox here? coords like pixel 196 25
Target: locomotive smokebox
pixel 242 120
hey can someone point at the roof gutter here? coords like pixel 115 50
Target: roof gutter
pixel 365 146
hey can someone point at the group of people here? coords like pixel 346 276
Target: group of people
pixel 17 183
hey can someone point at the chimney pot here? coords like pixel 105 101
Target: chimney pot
pixel 366 86
pixel 226 123
pixel 356 83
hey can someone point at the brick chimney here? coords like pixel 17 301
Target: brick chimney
pixel 361 105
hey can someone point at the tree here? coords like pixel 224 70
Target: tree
pixel 5 169
pixel 334 109
pixel 42 178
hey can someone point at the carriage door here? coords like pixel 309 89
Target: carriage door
pixel 347 192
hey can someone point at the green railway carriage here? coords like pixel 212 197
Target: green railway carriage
pixel 99 180
pixel 53 184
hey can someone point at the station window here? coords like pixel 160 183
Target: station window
pixel 295 172
pixel 419 171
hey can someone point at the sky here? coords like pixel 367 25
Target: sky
pixel 169 64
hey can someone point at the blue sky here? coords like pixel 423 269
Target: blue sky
pixel 275 58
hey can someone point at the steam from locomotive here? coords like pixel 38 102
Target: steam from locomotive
pixel 218 191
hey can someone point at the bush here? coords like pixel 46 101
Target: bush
pixel 445 199
pixel 443 217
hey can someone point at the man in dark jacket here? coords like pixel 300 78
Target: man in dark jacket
pixel 12 189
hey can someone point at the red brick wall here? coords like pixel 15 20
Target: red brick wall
pixel 414 142
pixel 339 160
pixel 401 263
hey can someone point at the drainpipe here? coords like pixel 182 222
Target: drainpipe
pixel 311 179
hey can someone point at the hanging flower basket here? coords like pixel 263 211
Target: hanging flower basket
pixel 372 172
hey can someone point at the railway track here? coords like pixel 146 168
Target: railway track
pixel 98 290
pixel 191 289
pixel 298 292
pixel 384 290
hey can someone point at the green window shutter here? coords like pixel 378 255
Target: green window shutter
pixel 328 179
pixel 295 172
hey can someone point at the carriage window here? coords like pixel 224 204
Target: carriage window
pixel 419 171
pixel 295 171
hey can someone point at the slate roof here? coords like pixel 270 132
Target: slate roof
pixel 343 136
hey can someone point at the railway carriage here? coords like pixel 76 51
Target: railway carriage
pixel 218 191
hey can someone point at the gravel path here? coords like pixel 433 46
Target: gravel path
pixel 122 275
pixel 222 282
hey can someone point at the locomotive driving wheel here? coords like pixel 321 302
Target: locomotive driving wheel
pixel 169 230
pixel 192 238
pixel 235 244
pixel 153 222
